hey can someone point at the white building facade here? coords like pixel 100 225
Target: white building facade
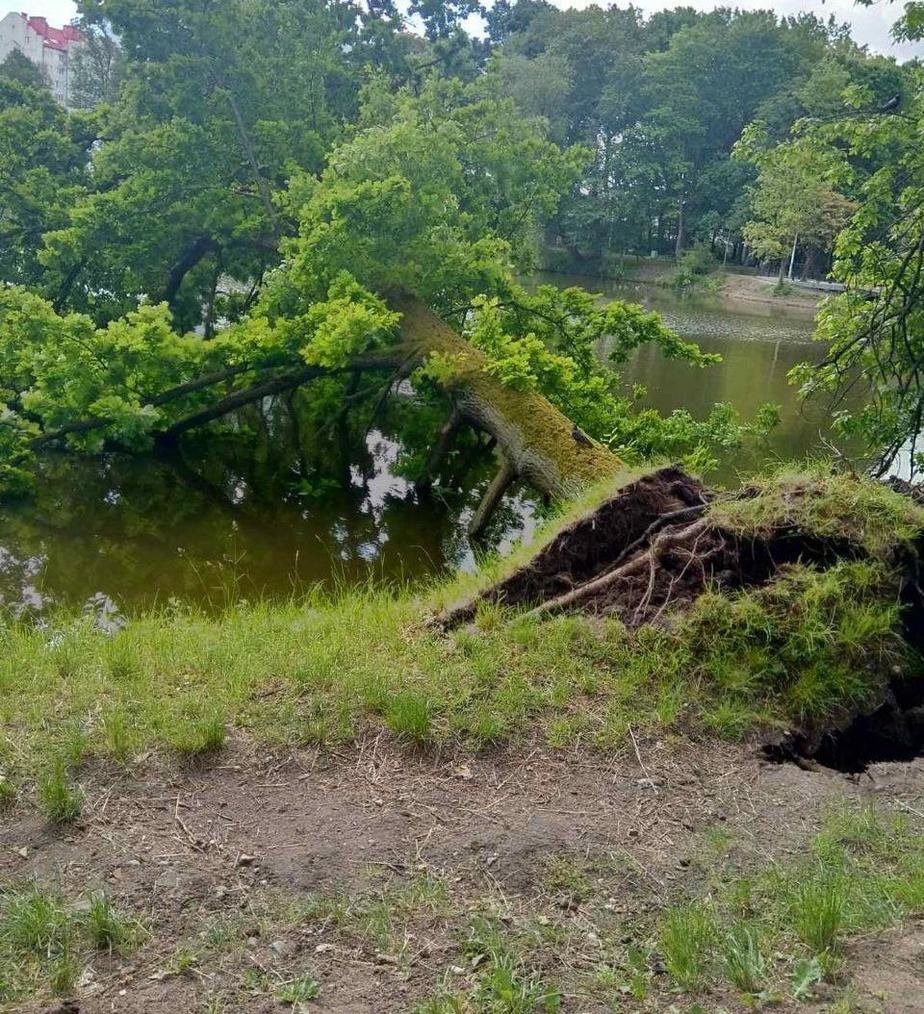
pixel 50 49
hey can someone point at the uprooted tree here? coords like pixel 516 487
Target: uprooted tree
pixel 402 268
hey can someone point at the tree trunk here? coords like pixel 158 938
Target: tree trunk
pixel 532 435
pixel 792 256
pixel 534 440
pixel 501 482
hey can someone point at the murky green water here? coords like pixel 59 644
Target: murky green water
pixel 111 535
pixel 759 345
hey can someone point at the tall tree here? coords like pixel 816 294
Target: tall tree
pixel 875 330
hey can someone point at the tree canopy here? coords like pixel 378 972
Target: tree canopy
pixel 254 192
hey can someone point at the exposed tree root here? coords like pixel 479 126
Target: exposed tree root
pixel 647 553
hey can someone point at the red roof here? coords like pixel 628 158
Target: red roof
pixel 55 38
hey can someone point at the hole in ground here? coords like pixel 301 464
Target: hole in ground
pixel 894 731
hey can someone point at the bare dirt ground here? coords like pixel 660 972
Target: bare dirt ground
pixel 256 832
pixel 743 288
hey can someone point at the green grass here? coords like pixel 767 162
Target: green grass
pixel 61 801
pixel 863 872
pixel 326 668
pixel 817 912
pixel 299 990
pixel 8 793
pixel 46 942
pixel 323 670
pixel 195 738
pixel 750 931
pixel 107 928
pixel 743 958
pixel 827 503
pixel 685 938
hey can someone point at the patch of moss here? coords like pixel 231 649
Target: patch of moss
pixel 825 503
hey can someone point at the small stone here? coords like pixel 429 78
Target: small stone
pixel 457 970
pixel 245 859
pixel 385 959
pixel 325 949
pixel 593 939
pixel 284 948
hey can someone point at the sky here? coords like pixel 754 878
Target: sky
pixel 870 24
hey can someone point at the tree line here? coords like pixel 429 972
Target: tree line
pixel 251 183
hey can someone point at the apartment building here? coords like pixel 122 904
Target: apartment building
pixel 50 49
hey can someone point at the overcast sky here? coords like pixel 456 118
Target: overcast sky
pixel 870 24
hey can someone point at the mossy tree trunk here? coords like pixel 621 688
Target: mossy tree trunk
pixel 535 440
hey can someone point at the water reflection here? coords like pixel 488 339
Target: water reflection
pixel 112 534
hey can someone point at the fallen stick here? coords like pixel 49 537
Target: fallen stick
pixel 641 763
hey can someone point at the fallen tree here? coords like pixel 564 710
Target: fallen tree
pixel 535 442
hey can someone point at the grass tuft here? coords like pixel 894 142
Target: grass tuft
pixel 299 990
pixel 106 927
pixel 743 958
pixel 685 938
pixel 817 909
pixel 817 500
pixel 61 801
pixel 8 794
pixel 44 941
pixel 196 739
pixel 507 988
pixel 408 714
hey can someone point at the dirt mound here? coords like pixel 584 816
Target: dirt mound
pixel 648 552
pixel 594 545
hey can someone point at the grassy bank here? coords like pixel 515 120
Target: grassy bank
pixel 497 849
pixel 730 286
pixel 324 669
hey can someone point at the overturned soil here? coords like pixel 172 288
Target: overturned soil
pixel 649 551
pixel 244 841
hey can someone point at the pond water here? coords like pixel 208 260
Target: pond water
pixel 112 535
pixel 759 344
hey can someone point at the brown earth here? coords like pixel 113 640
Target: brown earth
pixel 747 288
pixel 257 831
